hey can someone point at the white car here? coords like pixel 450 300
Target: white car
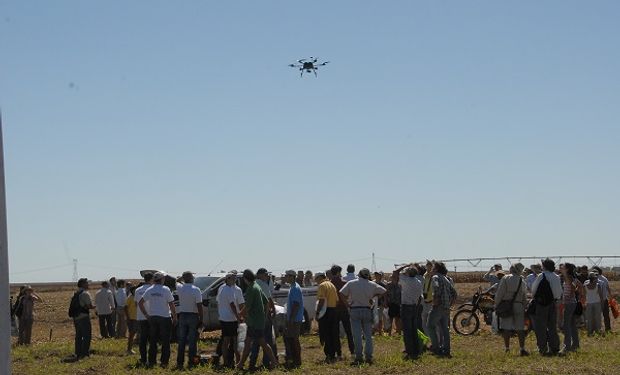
pixel 211 320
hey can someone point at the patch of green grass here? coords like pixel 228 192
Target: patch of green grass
pixel 479 354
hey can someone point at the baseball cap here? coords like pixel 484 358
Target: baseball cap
pixel 187 273
pixel 262 271
pixel 319 274
pixel 159 275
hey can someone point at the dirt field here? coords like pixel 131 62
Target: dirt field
pixel 482 353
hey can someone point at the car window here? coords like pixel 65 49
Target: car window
pixel 203 282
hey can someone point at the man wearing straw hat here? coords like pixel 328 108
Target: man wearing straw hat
pixel 26 316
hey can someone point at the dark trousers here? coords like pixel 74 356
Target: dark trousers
pixel 329 333
pixel 605 307
pixel 187 334
pixel 145 332
pixel 160 329
pixel 409 317
pixel 106 326
pixel 25 331
pixel 269 340
pixel 83 335
pixel 342 316
pixel 545 327
pixel 571 333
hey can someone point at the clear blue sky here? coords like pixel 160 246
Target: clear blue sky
pixel 173 135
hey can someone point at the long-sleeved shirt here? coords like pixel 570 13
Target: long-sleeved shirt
pixel 104 301
pixel 508 286
pixel 121 298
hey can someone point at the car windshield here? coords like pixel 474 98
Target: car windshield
pixel 202 282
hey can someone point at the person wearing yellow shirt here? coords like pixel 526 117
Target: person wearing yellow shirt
pixel 131 316
pixel 327 299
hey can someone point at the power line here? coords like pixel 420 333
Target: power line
pixel 40 269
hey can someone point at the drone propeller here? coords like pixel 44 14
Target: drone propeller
pixel 323 64
pixel 301 60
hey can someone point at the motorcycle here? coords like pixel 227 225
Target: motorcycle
pixel 466 321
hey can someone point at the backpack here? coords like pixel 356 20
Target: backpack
pixel 19 307
pixel 544 294
pixel 453 293
pixel 74 307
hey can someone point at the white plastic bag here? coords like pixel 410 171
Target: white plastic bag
pixel 241 333
pixel 387 322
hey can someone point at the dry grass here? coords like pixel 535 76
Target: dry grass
pixel 479 354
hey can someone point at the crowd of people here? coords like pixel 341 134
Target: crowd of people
pixel 415 302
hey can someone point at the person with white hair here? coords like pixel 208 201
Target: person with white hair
pixel 360 293
pixel 511 292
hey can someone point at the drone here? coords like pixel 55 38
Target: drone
pixel 310 65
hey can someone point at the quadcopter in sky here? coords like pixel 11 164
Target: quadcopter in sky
pixel 310 65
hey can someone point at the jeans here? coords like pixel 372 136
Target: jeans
pixel 106 327
pixel 593 317
pixel 159 332
pixel 545 327
pixel 571 334
pixel 328 332
pixel 409 318
pixel 342 316
pixel 144 339
pixel 187 335
pixel 269 340
pixel 361 322
pixel 83 335
pixel 439 329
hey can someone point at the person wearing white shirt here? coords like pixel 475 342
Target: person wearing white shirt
pixel 162 316
pixel 121 301
pixel 411 299
pixel 104 303
pixel 190 318
pixel 230 301
pixel 143 323
pixel 360 292
pixel 545 317
pixel 606 293
pixel 529 280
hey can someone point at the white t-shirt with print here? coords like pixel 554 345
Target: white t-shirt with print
pixel 158 297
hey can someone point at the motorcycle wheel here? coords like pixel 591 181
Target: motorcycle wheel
pixel 466 322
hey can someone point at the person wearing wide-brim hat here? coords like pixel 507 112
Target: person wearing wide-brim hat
pixel 512 288
pixel 25 314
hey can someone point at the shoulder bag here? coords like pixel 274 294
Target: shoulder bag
pixel 504 308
